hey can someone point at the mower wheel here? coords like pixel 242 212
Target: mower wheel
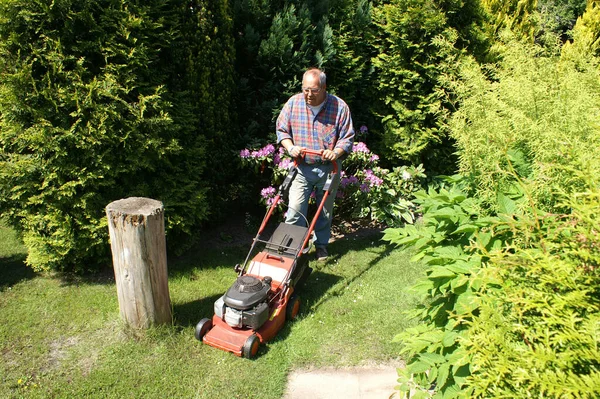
pixel 292 308
pixel 202 328
pixel 250 348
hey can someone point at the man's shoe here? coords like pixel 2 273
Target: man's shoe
pixel 321 254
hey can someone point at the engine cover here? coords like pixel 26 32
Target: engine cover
pixel 253 318
pixel 246 292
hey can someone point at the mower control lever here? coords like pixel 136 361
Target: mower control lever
pixel 305 151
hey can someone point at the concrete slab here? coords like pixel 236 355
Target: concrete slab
pixel 373 382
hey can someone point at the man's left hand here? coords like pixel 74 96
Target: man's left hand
pixel 329 155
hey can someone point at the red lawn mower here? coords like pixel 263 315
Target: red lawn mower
pixel 264 296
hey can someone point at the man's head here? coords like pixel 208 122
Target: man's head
pixel 313 86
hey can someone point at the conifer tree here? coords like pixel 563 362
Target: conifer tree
pixel 586 33
pixel 419 42
pixel 100 100
pixel 516 15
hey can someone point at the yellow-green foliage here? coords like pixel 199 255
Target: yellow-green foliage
pixel 102 100
pixel 545 111
pixel 511 304
pixel 516 15
pixel 586 33
pixel 538 329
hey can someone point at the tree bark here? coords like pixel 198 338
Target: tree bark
pixel 139 253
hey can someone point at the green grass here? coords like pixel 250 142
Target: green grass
pixel 62 337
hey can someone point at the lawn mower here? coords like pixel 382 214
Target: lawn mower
pixel 264 295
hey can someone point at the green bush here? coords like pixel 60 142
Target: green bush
pixel 515 15
pixel 275 43
pixel 510 303
pixel 586 34
pixel 536 108
pixel 510 298
pixel 444 241
pixel 537 328
pixel 418 44
pixel 559 16
pixel 95 106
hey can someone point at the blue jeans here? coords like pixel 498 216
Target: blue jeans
pixel 311 177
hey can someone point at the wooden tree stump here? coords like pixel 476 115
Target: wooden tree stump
pixel 139 253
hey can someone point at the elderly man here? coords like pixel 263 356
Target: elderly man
pixel 315 120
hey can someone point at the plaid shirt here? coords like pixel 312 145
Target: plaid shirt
pixel 331 128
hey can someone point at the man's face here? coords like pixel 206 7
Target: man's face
pixel 314 94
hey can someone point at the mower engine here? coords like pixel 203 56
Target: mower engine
pixel 245 302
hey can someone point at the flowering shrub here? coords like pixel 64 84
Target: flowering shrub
pixel 366 193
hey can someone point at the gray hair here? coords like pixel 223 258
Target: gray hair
pixel 316 71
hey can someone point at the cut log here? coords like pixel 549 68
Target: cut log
pixel 139 253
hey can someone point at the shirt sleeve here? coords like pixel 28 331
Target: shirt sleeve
pixel 283 126
pixel 346 131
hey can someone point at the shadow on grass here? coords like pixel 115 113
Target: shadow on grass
pixel 190 313
pixel 337 250
pixel 312 291
pixel 14 270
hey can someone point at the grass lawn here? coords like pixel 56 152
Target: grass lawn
pixel 63 338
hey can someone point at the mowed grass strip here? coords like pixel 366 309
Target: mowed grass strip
pixel 62 337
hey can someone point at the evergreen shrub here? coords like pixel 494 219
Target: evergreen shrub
pixel 94 107
pixel 418 45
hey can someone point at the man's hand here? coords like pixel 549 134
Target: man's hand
pixel 294 151
pixel 329 155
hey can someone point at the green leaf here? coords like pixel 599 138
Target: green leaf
pixel 465 303
pixel 461 267
pixel 417 367
pixel 440 271
pixel 449 338
pixel 420 395
pixel 449 252
pixel 444 371
pixel 506 205
pixel 484 238
pixel 432 358
pixel 450 392
pixel 466 228
pixel 443 214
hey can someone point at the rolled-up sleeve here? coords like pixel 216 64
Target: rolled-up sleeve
pixel 283 125
pixel 346 131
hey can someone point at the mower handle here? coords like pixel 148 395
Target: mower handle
pixel 305 151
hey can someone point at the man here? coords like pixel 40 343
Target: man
pixel 315 120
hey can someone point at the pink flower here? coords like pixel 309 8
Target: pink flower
pixel 263 152
pixel 360 147
pixel 271 200
pixel 268 192
pixel 245 153
pixel 372 179
pixel 346 181
pixel 285 163
pixel 268 149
